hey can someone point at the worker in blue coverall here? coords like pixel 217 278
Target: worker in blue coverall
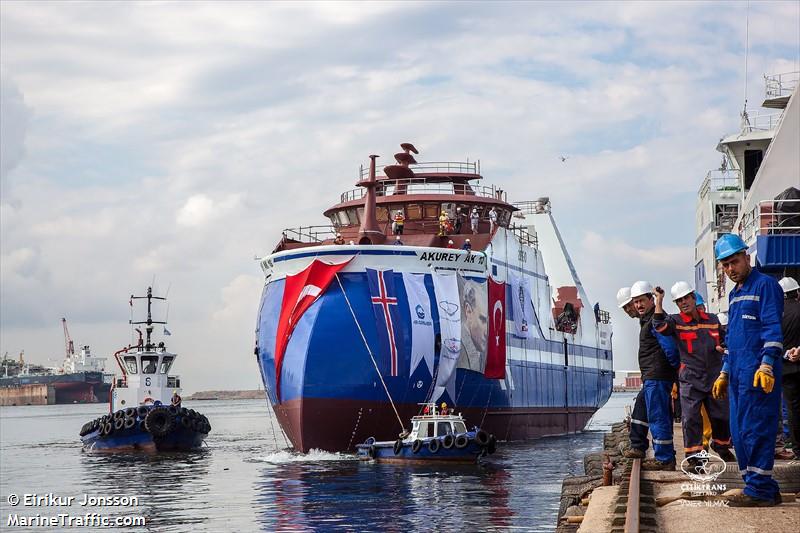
pixel 697 335
pixel 751 373
pixel 639 426
pixel 659 374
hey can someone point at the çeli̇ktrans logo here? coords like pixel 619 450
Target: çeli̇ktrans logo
pixel 703 466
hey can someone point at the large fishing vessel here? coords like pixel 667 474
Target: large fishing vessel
pixel 755 192
pixel 428 286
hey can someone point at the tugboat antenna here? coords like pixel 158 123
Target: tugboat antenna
pixel 149 322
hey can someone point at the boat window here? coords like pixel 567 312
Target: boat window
pixel 450 209
pixel 351 214
pixel 334 220
pixel 166 363
pixel 460 427
pixel 130 364
pixel 443 428
pixel 360 211
pixel 382 214
pixel 149 364
pixel 413 212
pixel 425 430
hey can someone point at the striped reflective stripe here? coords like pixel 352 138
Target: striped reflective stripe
pixel 641 423
pixel 689 449
pixel 656 441
pixel 723 442
pixel 777 345
pixel 749 298
pixel 758 470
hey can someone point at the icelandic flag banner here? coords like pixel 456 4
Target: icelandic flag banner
pixel 422 335
pixel 387 319
pixel 496 348
pixel 448 304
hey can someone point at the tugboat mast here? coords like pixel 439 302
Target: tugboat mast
pixel 149 322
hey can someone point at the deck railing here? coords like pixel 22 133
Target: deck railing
pixel 426 186
pixel 778 85
pixel 721 180
pixel 771 217
pixel 434 167
pixel 761 122
pixel 310 234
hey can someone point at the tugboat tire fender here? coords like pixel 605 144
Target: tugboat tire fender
pixel 107 429
pixel 130 411
pixel 186 423
pixel 416 446
pixel 398 446
pixel 448 441
pixel 481 438
pixel 461 442
pixel 434 445
pixel 130 421
pixel 492 446
pixel 142 411
pixel 159 422
pixel 119 423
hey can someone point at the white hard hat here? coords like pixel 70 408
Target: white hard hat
pixel 450 242
pixel 624 297
pixel 467 240
pixel 641 287
pixel 680 289
pixel 723 319
pixel 789 284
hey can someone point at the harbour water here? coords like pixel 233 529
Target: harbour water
pixel 245 480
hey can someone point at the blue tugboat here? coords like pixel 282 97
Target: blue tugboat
pixel 437 435
pixel 145 412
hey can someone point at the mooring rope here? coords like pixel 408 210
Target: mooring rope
pixel 374 363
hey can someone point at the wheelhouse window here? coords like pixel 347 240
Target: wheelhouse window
pixel 460 427
pixel 431 210
pixel 130 364
pixel 382 214
pixel 166 362
pixel 443 428
pixel 425 430
pixel 351 214
pixel 342 216
pixel 149 364
pixel 413 212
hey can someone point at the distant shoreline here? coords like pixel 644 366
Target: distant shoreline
pixel 227 395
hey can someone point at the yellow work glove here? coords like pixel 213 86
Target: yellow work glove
pixel 720 388
pixel 674 391
pixel 764 378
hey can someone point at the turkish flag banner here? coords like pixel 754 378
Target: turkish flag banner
pixel 299 292
pixel 496 347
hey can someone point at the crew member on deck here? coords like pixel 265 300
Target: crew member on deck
pixel 492 219
pixel 697 336
pixel 751 373
pixel 467 245
pixel 398 241
pixel 450 244
pixel 444 221
pixel 658 375
pixel 399 222
pixel 474 218
pixel 338 239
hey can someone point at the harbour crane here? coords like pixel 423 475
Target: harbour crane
pixel 69 347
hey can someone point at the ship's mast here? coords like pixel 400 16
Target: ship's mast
pixel 149 322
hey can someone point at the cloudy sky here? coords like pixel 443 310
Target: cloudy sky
pixel 174 140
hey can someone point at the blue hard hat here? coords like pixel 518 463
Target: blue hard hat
pixel 699 299
pixel 727 245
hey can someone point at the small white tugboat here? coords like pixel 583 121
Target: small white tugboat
pixel 437 435
pixel 145 411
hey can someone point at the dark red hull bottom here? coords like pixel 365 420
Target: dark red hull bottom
pixel 338 425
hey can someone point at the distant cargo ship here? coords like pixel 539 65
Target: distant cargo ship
pixel 80 379
pixel 429 287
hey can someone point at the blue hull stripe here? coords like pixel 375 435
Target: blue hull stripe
pixel 343 251
pixel 515 268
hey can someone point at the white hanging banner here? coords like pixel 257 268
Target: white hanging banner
pixel 448 304
pixel 521 306
pixel 422 335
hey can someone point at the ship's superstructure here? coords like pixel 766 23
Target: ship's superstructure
pixel 755 192
pixel 473 300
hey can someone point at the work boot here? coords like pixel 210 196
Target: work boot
pixel 783 454
pixel 655 464
pixel 633 453
pixel 724 454
pixel 744 500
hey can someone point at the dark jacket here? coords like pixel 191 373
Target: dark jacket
pixel 790 325
pixel 653 362
pixel 697 342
